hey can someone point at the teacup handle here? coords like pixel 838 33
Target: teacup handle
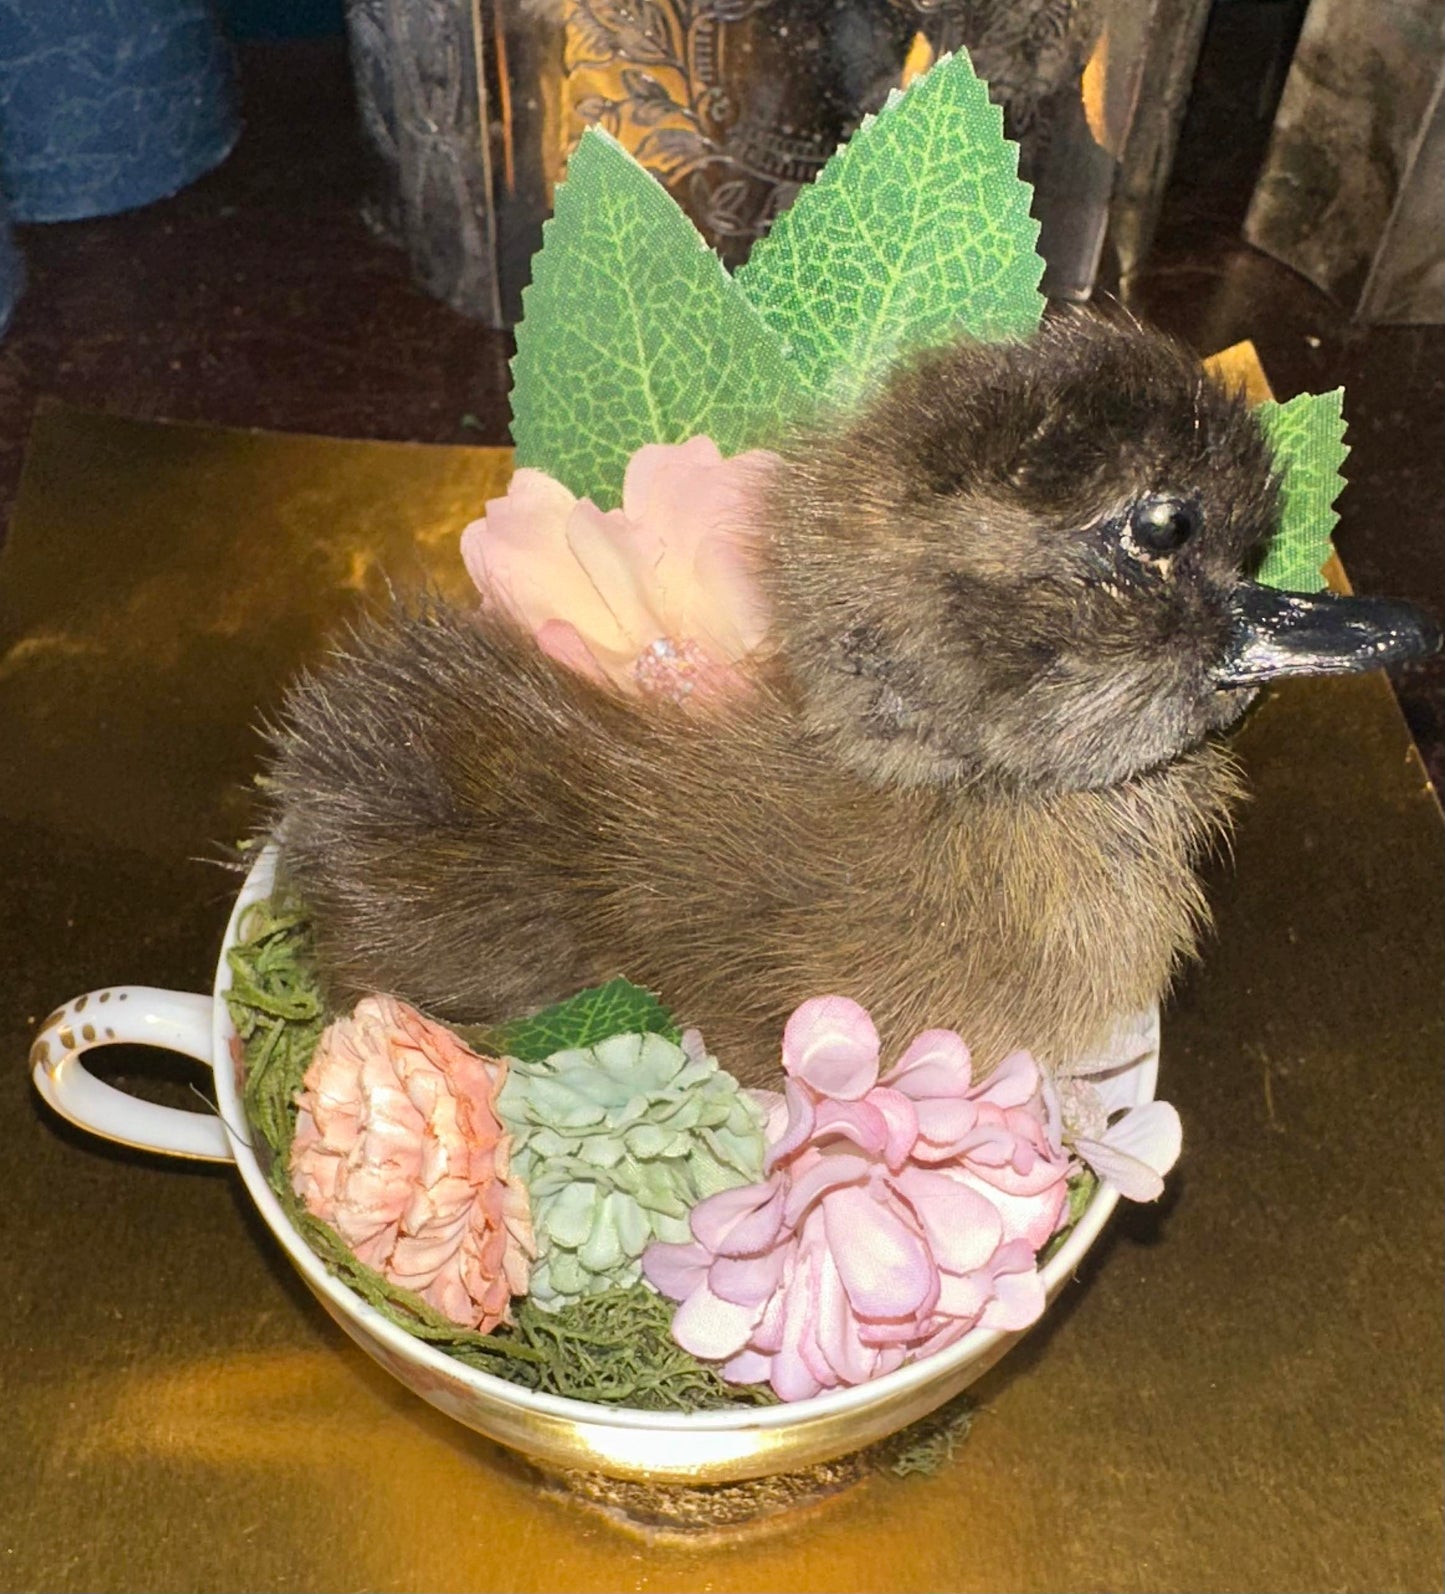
pixel 176 1021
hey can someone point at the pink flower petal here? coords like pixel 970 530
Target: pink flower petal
pixel 746 1280
pixel 901 1119
pixel 372 1244
pixel 1118 1088
pixel 848 1360
pixel 962 1226
pixel 618 557
pixel 945 1332
pixel 1151 1132
pixel 736 619
pixel 885 1267
pixel 1014 1082
pixel 1136 1153
pixel 521 560
pixel 1018 1301
pixel 945 1121
pixel 1133 1179
pixel 936 1064
pixel 821 1175
pixel 1031 1218
pixel 804 1306
pixel 721 604
pixel 789 1375
pixel 748 1367
pixel 675 562
pixel 793 1375
pixel 706 579
pixel 562 641
pixel 534 508
pixel 988 1140
pixel 1012 1166
pixel 774 1107
pixel 640 479
pixel 831 1044
pixel 878 1333
pixel 710 1327
pixel 964 1295
pixel 799 1125
pixel 858 1121
pixel 675 1270
pixel 768 1332
pixel 739 1221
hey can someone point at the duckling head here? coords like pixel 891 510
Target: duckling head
pixel 1025 566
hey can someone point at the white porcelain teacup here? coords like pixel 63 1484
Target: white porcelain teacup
pixel 702 1447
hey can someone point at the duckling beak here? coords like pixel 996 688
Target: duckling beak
pixel 1319 633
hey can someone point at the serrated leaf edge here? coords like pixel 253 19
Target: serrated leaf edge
pixel 833 173
pixel 1286 456
pixel 740 305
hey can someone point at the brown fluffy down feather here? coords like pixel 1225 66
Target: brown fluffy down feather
pixel 968 791
pixel 483 833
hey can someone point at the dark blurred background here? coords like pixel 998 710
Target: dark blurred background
pixel 257 297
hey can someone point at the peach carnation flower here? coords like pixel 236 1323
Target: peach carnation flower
pixel 656 596
pixel 399 1148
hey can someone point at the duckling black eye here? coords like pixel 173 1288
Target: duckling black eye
pixel 1161 525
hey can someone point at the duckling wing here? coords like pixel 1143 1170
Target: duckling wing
pixel 481 831
pixel 435 793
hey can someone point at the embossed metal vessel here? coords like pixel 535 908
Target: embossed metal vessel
pixel 659 1447
pixel 470 110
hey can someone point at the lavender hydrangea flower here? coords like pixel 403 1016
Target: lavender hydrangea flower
pixel 896 1215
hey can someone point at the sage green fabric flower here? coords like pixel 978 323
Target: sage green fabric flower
pixel 616 1144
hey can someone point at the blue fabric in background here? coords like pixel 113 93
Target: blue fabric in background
pixel 107 106
pixel 12 271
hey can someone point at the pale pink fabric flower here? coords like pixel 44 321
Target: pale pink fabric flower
pixel 896 1216
pixel 656 596
pixel 1092 1112
pixel 399 1148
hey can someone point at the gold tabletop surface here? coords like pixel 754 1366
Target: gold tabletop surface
pixel 1242 1391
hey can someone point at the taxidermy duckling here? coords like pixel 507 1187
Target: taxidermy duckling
pixel 968 787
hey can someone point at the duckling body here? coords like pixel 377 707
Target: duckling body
pixel 715 859
pixel 968 787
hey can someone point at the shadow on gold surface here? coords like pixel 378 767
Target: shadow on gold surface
pixel 1247 1395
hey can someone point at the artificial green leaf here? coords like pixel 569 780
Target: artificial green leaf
pixel 617 1008
pixel 917 229
pixel 1307 436
pixel 633 333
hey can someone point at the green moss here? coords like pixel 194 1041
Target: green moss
pixel 617 1348
pixel 928 1445
pixel 1082 1187
pixel 276 1007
